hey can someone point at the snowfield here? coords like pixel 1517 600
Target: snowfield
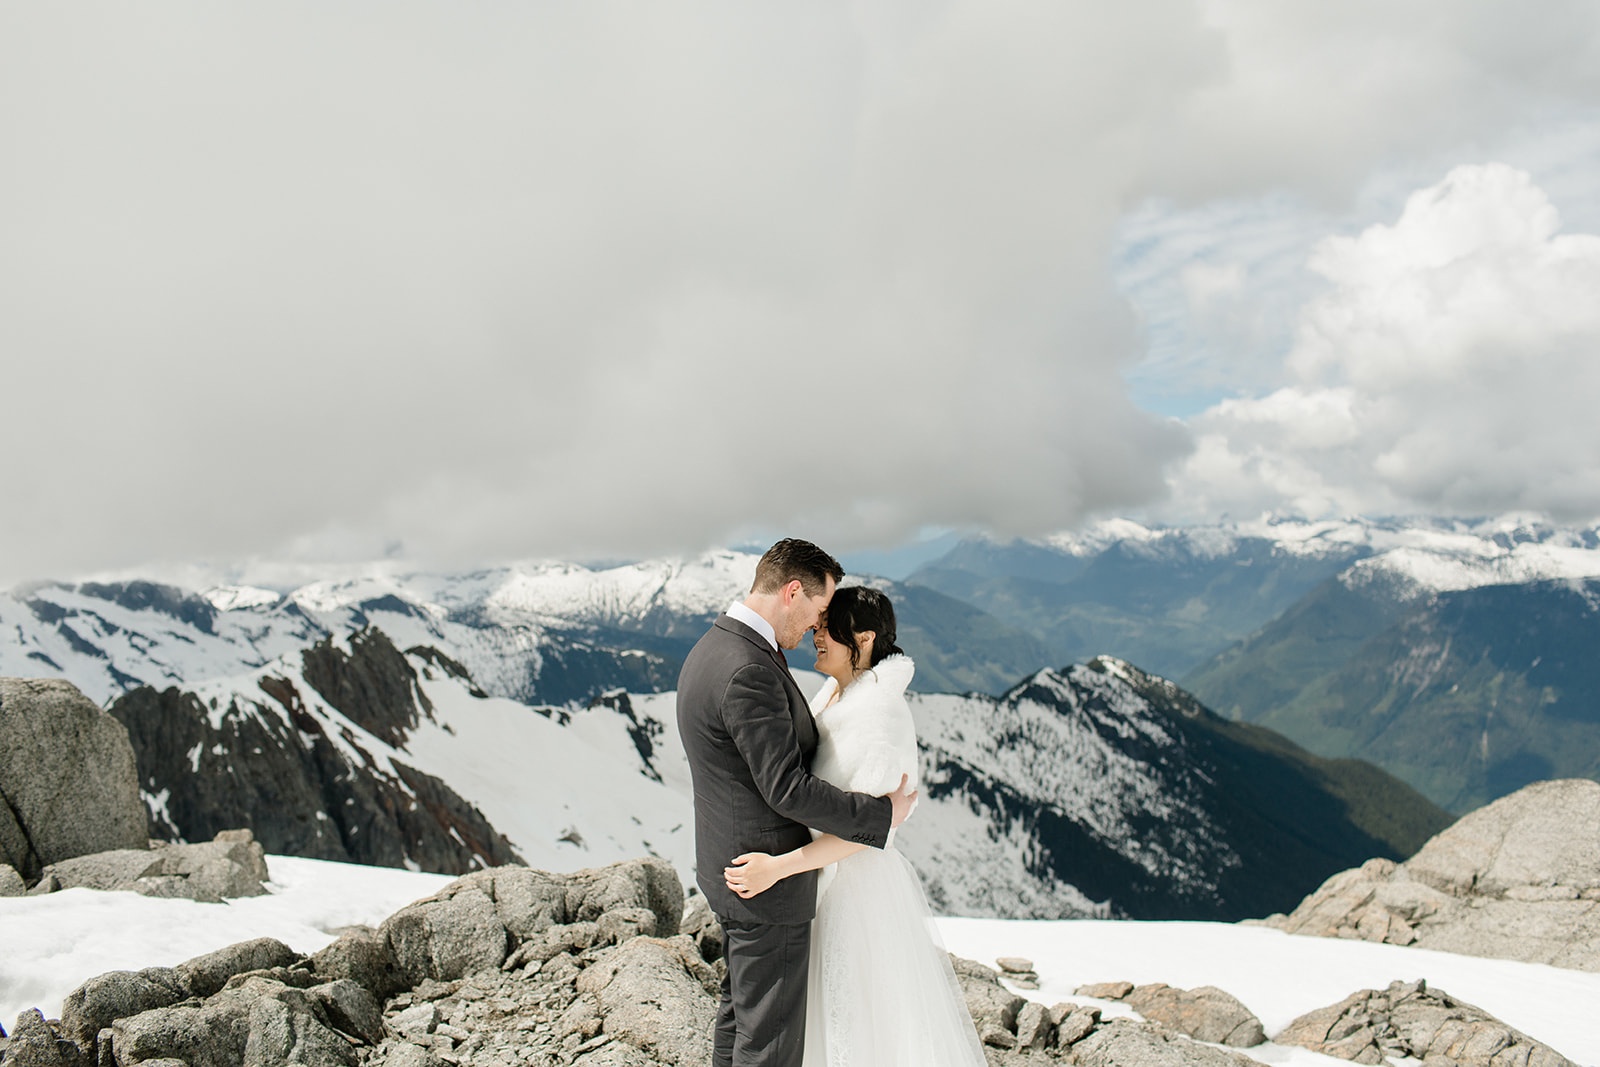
pixel 50 944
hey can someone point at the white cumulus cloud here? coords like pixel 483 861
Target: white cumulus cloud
pixel 1451 366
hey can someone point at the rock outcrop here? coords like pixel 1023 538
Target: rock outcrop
pixel 1519 879
pixel 1409 1019
pixel 1205 1014
pixel 68 785
pixel 599 968
pixel 515 955
pixel 233 865
pixel 1126 1043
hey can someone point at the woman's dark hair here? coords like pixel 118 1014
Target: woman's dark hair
pixel 857 609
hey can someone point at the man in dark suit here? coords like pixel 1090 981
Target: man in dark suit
pixel 749 737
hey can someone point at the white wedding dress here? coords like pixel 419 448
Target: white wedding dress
pixel 882 993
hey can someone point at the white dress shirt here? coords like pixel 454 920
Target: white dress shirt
pixel 747 615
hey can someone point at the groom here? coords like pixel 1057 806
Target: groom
pixel 749 737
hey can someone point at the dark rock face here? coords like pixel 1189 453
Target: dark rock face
pixel 67 781
pixel 374 687
pixel 168 600
pixel 286 781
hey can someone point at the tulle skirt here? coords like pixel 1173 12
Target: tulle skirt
pixel 881 992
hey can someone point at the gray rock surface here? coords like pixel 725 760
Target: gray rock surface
pixel 700 924
pixel 11 883
pixel 1034 1028
pixel 34 1043
pixel 482 974
pixel 1205 1014
pixel 473 923
pixel 259 1022
pixel 103 1000
pixel 1518 879
pixel 1409 1019
pixel 659 999
pixel 363 956
pixel 1126 1043
pixel 454 933
pixel 231 866
pixel 350 1009
pixel 68 783
pixel 208 974
pixel 1105 990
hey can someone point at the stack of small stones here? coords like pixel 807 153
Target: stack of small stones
pixel 1018 971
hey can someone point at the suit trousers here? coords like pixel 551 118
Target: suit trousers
pixel 761 1021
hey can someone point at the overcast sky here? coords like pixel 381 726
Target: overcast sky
pixel 473 282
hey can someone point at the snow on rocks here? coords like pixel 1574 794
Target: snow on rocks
pixel 1518 879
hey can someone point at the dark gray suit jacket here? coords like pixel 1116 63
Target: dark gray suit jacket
pixel 749 737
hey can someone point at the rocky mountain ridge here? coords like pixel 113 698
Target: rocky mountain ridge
pixel 1453 654
pixel 1093 791
pixel 1468 695
pixel 538 633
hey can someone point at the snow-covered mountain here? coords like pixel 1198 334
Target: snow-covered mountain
pixel 1173 599
pixel 535 632
pixel 539 633
pixel 446 721
pixel 1454 654
pixel 1097 791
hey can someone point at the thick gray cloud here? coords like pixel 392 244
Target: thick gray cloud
pixel 535 279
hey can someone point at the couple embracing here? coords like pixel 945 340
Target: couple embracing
pixel 845 969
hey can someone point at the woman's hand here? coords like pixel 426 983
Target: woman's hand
pixel 753 873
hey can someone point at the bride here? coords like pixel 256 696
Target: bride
pixel 881 990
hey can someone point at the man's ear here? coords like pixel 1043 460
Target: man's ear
pixel 792 590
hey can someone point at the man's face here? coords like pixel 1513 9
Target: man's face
pixel 805 612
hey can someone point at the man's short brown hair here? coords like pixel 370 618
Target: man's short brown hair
pixel 793 558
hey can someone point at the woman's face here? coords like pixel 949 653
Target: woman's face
pixel 833 657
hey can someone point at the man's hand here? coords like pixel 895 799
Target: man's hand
pixel 901 801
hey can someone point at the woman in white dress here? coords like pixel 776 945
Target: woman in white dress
pixel 881 989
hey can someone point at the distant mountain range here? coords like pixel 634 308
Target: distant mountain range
pixel 1097 791
pixel 1455 655
pixel 451 721
pixel 544 633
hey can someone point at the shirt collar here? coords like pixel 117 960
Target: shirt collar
pixel 747 615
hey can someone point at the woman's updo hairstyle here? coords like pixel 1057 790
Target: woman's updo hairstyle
pixel 856 609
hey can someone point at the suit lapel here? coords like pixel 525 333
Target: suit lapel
pixel 805 728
